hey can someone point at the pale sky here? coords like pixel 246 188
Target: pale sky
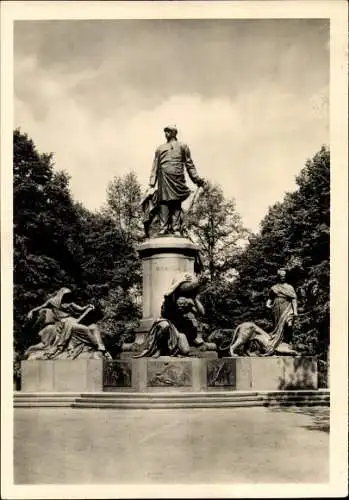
pixel 249 97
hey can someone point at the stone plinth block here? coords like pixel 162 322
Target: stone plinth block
pixel 243 374
pixel 77 375
pixel 267 373
pixel 300 373
pixel 283 373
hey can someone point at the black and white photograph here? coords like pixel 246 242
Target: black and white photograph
pixel 174 248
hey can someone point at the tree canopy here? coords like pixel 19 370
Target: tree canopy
pixel 58 242
pixel 214 224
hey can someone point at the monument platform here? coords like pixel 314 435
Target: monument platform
pixel 170 375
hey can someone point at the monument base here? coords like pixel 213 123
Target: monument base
pixel 170 374
pixel 78 375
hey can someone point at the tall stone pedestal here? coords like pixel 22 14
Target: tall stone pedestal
pixel 163 259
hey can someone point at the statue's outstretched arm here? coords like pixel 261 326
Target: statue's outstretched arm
pixel 32 311
pixel 194 176
pixel 80 308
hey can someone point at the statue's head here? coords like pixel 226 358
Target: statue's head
pixel 170 132
pixel 281 273
pixel 62 295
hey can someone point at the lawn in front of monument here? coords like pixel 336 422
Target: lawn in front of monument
pixel 230 445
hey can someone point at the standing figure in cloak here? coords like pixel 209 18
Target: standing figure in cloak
pixel 63 333
pixel 283 302
pixel 170 161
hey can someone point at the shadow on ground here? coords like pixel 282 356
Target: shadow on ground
pixel 320 416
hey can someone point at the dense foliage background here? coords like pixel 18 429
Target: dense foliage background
pixel 57 242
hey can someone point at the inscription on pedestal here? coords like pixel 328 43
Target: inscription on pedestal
pixel 175 268
pixel 117 374
pixel 221 373
pixel 167 374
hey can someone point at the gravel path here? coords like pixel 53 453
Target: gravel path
pixel 232 445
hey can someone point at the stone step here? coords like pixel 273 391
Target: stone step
pixel 174 397
pixel 297 391
pixel 168 404
pixel 286 398
pixel 222 404
pixel 200 399
pixel 172 404
pixel 45 404
pixel 155 397
pixel 111 394
pixel 160 406
pixel 149 401
pixel 297 402
pixel 170 393
pixel 208 394
pixel 98 402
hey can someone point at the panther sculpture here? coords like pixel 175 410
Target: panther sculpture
pixel 248 339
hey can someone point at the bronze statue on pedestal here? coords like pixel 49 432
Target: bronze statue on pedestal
pixel 167 185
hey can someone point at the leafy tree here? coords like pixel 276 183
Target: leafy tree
pixel 216 227
pixel 44 224
pixel 112 276
pixel 107 260
pixel 124 206
pixel 122 311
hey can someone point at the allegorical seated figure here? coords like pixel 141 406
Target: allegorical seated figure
pixel 179 328
pixel 167 185
pixel 65 331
